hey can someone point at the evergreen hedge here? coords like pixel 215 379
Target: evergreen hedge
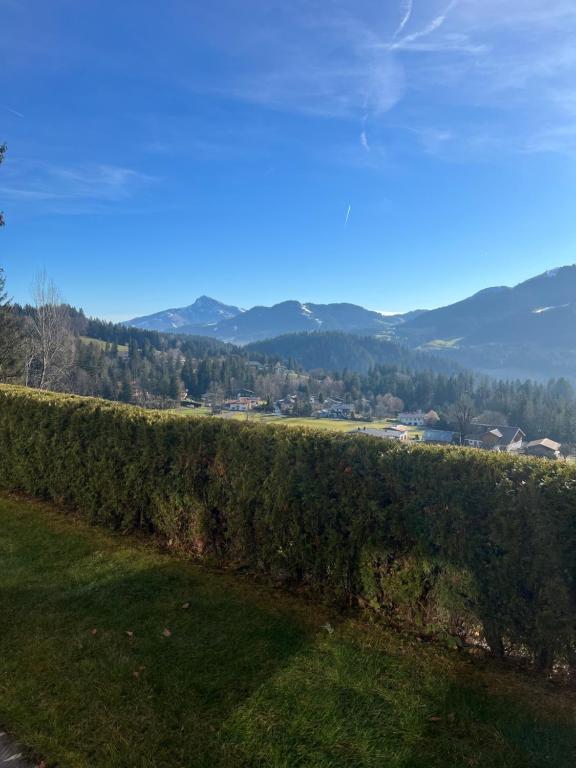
pixel 445 538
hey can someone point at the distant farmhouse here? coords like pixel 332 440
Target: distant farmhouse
pixel 245 400
pixel 337 411
pixel 412 418
pixel 399 432
pixel 546 449
pixel 495 438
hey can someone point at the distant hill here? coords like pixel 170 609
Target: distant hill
pixel 527 330
pixel 336 351
pixel 204 312
pixel 489 314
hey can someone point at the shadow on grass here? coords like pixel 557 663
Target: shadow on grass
pixel 342 703
pixel 76 686
pixel 244 677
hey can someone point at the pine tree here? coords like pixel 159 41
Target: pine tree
pixel 125 394
pixel 10 335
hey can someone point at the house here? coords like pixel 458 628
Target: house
pixel 235 405
pixel 330 401
pixel 244 401
pixel 413 418
pixel 439 436
pixel 545 448
pixel 495 438
pixel 246 394
pixel 286 406
pixel 337 411
pixel 399 432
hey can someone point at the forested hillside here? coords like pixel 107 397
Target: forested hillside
pixel 54 346
pixel 336 351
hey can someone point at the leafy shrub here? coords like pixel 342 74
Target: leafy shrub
pixel 442 537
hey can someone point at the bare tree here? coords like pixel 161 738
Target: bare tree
pixel 51 349
pixel 388 405
pixel 462 413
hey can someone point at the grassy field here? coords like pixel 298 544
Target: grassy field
pixel 115 655
pixel 330 425
pixel 122 348
pixel 441 344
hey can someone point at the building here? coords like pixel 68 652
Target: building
pixel 399 432
pixel 545 448
pixel 286 406
pixel 338 411
pixel 495 438
pixel 439 436
pixel 235 405
pixel 413 418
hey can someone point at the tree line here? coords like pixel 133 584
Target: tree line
pixel 51 345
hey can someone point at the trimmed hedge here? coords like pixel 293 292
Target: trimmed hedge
pixel 445 538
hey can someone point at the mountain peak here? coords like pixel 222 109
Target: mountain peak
pixel 204 312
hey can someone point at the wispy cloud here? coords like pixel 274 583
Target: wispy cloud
pixel 512 63
pixel 42 182
pixel 432 139
pixel 325 60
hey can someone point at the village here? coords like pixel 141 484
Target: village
pixel 406 426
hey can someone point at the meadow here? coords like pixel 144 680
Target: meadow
pixel 328 425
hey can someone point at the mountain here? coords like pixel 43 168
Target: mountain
pixel 268 322
pixel 481 316
pixel 527 330
pixel 203 312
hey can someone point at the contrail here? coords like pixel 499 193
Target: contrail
pixel 432 27
pixel 14 112
pixel 348 215
pixel 407 8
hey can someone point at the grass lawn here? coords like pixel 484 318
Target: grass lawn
pixel 330 425
pixel 115 654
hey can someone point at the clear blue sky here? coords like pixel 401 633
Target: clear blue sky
pixel 159 151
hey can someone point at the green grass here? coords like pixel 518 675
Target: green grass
pixel 122 348
pixel 249 677
pixel 328 425
pixel 186 412
pixel 442 344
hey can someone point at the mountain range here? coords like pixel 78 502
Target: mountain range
pixel 525 330
pixel 208 317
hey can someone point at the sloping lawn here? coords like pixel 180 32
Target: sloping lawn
pixel 115 654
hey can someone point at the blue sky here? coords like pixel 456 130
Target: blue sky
pixel 162 151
